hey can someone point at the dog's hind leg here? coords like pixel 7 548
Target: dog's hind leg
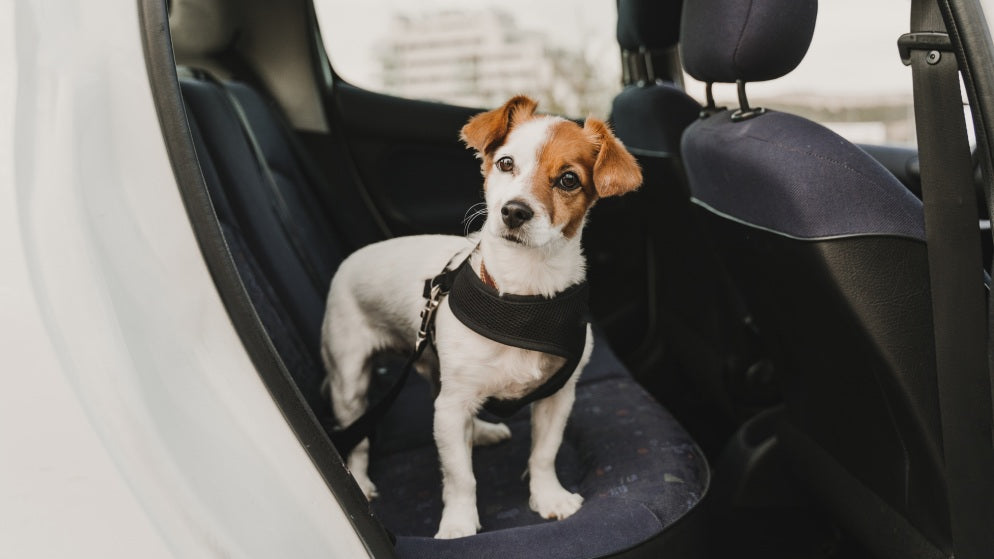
pixel 345 349
pixel 486 433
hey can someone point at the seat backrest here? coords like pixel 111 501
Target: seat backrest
pixel 286 225
pixel 250 203
pixel 279 284
pixel 828 249
pixel 700 317
pixel 651 112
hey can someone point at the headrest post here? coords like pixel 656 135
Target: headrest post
pixel 645 66
pixel 745 112
pixel 650 71
pixel 711 107
pixel 743 101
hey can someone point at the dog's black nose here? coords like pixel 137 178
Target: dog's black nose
pixel 515 213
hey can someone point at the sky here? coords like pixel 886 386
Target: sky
pixel 849 55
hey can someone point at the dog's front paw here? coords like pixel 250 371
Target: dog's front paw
pixel 486 433
pixel 458 523
pixel 554 502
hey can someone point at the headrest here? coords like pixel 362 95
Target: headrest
pixel 749 40
pixel 652 24
pixel 201 28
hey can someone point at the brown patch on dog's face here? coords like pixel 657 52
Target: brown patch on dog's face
pixel 600 162
pixel 486 132
pixel 567 151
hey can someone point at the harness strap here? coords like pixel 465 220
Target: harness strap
pixel 557 326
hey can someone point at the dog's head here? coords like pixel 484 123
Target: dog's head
pixel 542 173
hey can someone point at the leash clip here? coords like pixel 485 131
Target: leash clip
pixel 433 294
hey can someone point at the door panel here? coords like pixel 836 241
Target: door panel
pixel 408 155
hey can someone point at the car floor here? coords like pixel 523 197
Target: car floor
pixel 781 533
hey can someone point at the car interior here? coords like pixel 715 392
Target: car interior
pixel 763 381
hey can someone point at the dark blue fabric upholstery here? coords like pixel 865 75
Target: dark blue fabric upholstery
pixel 252 203
pixel 650 24
pixel 652 118
pixel 828 248
pixel 795 177
pixel 639 470
pixel 750 40
pixel 298 357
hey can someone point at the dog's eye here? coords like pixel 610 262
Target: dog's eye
pixel 505 164
pixel 568 181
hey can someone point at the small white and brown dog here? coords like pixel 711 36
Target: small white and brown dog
pixel 541 176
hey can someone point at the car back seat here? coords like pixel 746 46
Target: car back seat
pixel 638 470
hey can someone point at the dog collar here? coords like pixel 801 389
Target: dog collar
pixel 485 276
pixel 555 325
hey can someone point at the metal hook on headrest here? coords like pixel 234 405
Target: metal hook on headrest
pixel 711 107
pixel 745 112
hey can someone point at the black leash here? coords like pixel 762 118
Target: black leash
pixel 557 326
pixel 435 290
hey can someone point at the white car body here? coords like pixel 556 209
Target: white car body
pixel 132 422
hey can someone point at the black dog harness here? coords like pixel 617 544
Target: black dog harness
pixel 557 326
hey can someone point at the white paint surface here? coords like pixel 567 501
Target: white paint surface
pixel 132 423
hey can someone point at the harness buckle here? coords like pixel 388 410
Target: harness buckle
pixel 433 294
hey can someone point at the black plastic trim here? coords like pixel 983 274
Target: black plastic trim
pixel 164 83
pixel 967 26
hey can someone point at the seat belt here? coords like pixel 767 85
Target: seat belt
pixel 958 303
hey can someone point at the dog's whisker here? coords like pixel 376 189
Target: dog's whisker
pixel 469 218
pixel 469 223
pixel 474 210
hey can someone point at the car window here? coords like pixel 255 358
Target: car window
pixel 851 79
pixel 477 53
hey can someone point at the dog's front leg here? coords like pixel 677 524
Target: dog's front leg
pixel 454 437
pixel 548 497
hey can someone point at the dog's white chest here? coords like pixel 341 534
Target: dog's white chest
pixel 520 371
pixel 485 368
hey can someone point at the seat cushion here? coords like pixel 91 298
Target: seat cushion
pixel 637 469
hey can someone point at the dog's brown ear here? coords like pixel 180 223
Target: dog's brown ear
pixel 615 171
pixel 485 132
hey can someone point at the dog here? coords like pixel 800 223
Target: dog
pixel 541 175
